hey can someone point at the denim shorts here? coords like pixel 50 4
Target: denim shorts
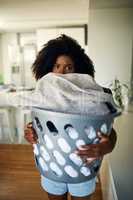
pixel 76 189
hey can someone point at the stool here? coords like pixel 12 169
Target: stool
pixel 7 120
pixel 23 116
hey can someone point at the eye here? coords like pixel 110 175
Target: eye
pixel 69 68
pixel 57 66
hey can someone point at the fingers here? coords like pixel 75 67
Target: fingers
pixel 102 137
pixel 91 150
pixel 87 160
pixel 90 160
pixel 30 134
pixel 95 152
pixel 29 125
pixel 30 138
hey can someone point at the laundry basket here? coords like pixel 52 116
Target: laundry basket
pixel 59 135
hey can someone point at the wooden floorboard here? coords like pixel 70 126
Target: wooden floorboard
pixel 19 178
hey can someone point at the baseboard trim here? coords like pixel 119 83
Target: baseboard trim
pixel 115 197
pixel 107 182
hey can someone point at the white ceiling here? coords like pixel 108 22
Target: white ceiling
pixel 30 14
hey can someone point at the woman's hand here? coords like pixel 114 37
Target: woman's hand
pixel 30 134
pixel 92 152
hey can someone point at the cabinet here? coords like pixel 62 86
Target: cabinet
pixel 121 159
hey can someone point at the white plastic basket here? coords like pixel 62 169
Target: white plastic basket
pixel 59 135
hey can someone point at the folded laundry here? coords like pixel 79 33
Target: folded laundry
pixel 68 93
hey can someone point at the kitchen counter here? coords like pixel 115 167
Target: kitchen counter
pixel 121 159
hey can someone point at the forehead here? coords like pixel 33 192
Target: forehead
pixel 64 59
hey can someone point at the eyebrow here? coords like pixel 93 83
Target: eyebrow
pixel 67 64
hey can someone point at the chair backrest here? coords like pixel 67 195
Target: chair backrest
pixel 59 135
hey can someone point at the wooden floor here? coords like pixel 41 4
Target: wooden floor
pixel 19 178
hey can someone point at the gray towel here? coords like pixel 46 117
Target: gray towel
pixel 69 93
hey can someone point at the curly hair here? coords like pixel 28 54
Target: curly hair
pixel 62 45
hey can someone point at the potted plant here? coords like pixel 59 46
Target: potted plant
pixel 120 93
pixel 1 79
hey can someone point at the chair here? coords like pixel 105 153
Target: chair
pixel 23 116
pixel 7 121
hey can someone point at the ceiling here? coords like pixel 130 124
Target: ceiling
pixel 29 14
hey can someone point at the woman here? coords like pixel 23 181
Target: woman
pixel 64 55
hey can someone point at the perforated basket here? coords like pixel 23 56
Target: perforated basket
pixel 59 135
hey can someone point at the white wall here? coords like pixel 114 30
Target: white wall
pixel 8 40
pixel 43 35
pixel 110 43
pixel 0 55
